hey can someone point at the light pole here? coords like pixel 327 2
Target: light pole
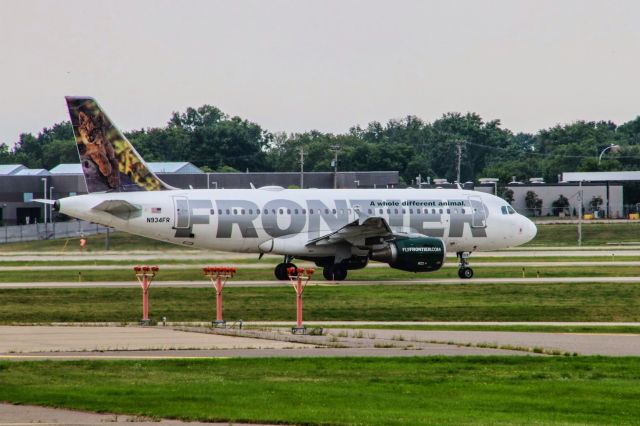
pixel 614 148
pixel 44 181
pixel 51 198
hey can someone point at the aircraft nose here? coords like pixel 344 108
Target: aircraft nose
pixel 530 229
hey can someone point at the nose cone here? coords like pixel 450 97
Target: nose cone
pixel 529 230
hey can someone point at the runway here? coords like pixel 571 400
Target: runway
pixel 163 342
pixel 274 283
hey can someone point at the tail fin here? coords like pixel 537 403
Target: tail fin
pixel 109 161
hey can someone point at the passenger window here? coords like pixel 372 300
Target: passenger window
pixel 433 211
pixel 304 211
pixel 212 211
pixel 219 211
pixel 462 211
pixel 388 211
pixel 333 211
pixel 370 212
pixel 410 211
pixel 242 211
pixel 419 210
pixel 288 211
pixel 440 211
pixel 281 211
pixel 380 211
pixel 448 211
pixel 295 211
pixel 404 211
pixel 326 211
pixel 250 211
pixel 310 211
pixel 235 211
pixel 266 211
pixel 273 211
pixel 228 212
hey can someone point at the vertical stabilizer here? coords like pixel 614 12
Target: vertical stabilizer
pixel 109 161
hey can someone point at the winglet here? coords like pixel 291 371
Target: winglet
pixel 109 161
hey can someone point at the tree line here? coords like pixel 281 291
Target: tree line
pixel 215 141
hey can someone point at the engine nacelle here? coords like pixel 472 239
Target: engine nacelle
pixel 419 254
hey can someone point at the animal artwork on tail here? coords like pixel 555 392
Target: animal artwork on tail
pixel 109 161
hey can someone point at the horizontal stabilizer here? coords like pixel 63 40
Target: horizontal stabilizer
pixel 120 208
pixel 43 201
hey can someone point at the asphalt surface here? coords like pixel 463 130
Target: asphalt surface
pixel 16 415
pixel 135 342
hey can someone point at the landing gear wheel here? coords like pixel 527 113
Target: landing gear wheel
pixel 281 271
pixel 334 273
pixel 465 273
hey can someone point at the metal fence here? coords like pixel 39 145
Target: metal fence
pixel 41 231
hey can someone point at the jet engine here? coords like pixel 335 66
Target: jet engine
pixel 417 254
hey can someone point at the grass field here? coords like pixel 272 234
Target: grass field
pixel 430 390
pixel 465 302
pixel 592 234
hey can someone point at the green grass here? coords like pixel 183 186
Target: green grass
pixel 430 390
pixel 373 274
pixel 118 241
pixel 592 234
pixel 464 302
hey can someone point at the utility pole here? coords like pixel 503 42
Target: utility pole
pixel 335 149
pixel 459 147
pixel 301 168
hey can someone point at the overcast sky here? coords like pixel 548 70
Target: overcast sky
pixel 327 65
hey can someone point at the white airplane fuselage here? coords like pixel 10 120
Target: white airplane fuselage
pixel 282 221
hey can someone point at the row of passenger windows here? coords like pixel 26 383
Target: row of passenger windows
pixel 332 211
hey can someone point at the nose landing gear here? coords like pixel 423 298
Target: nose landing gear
pixel 464 271
pixel 281 268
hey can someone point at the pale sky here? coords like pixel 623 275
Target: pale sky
pixel 327 65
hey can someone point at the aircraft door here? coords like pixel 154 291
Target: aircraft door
pixel 181 216
pixel 479 214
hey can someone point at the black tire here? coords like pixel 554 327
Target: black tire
pixel 327 273
pixel 466 273
pixel 334 273
pixel 281 271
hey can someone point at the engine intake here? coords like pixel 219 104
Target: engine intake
pixel 420 254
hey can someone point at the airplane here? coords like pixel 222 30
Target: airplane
pixel 337 229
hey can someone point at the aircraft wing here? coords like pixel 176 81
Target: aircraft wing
pixel 357 233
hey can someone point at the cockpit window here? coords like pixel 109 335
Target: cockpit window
pixel 511 210
pixel 504 210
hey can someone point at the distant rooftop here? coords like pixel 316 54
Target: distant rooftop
pixel 10 169
pixel 600 176
pixel 157 167
pixel 32 172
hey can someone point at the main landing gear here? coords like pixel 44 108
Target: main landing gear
pixel 281 271
pixel 334 272
pixel 464 272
